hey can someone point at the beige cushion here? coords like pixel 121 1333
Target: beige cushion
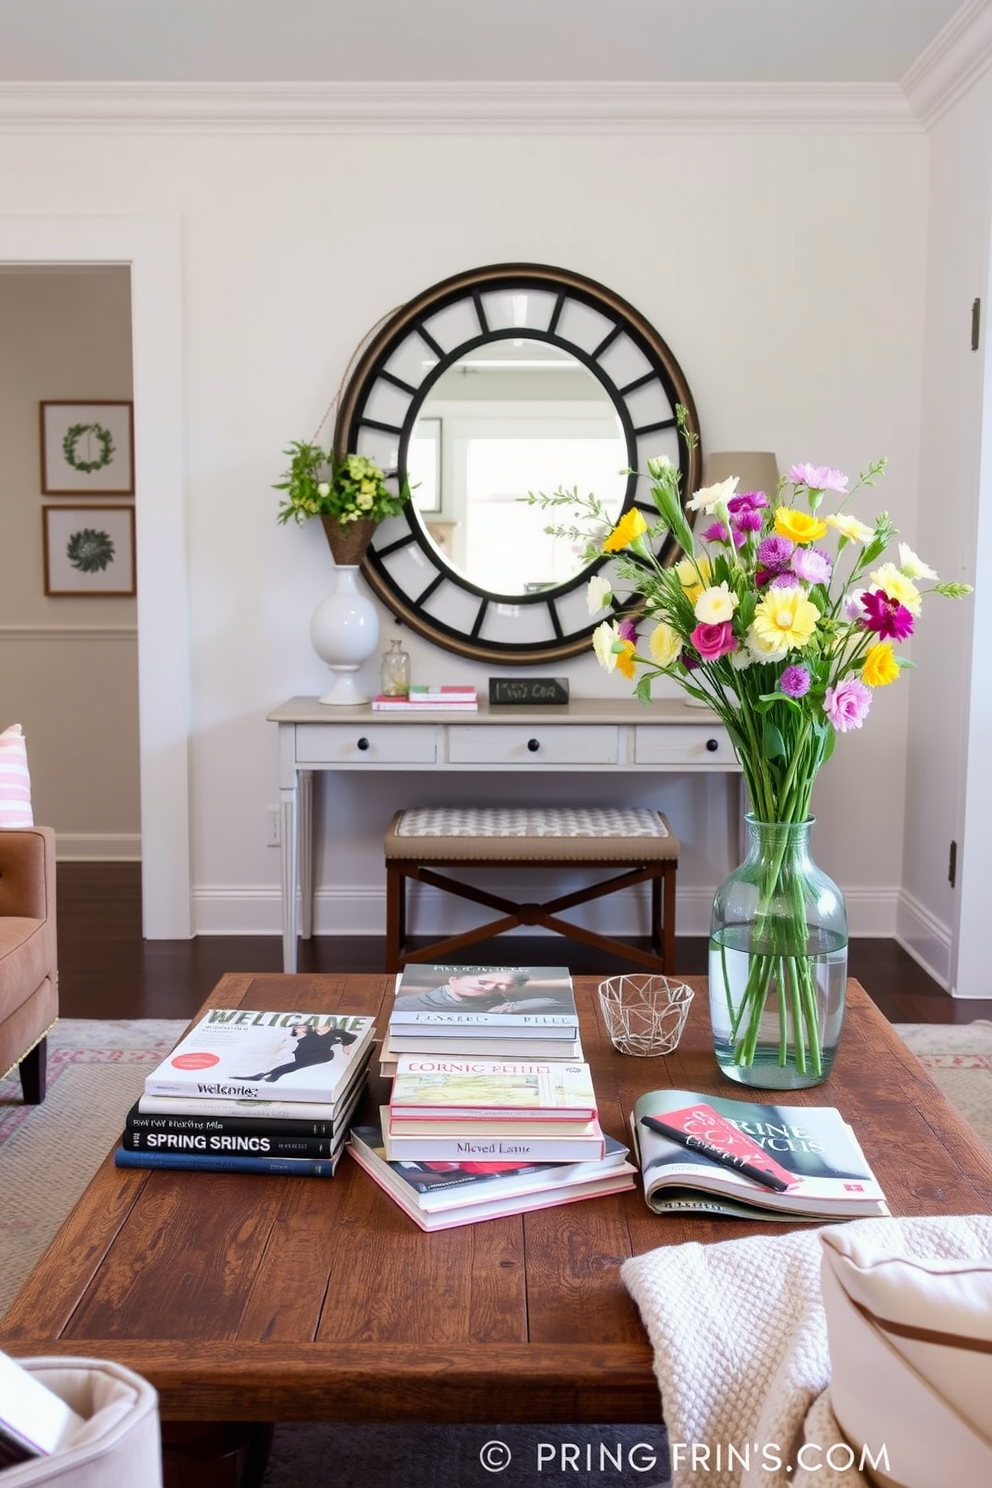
pixel 119 1443
pixel 531 834
pixel 910 1344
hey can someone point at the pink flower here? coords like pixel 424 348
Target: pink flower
pixel 818 478
pixel 714 641
pixel 747 521
pixel 847 704
pixel 887 617
pixel 794 682
pixel 627 630
pixel 747 501
pixel 812 565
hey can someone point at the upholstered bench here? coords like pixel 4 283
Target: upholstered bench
pixel 635 839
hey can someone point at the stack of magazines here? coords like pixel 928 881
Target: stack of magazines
pixel 492 1108
pixel 253 1092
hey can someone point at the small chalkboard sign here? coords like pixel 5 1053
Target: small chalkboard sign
pixel 527 691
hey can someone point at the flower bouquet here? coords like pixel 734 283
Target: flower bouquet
pixel 787 640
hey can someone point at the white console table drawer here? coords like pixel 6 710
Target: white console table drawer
pixel 533 744
pixel 350 743
pixel 686 746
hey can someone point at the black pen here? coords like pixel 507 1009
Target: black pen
pixel 716 1154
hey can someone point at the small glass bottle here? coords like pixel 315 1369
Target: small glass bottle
pixel 395 674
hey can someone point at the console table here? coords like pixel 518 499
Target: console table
pixel 588 736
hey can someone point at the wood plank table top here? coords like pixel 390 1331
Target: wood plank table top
pixel 249 1298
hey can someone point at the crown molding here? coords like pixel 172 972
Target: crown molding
pixel 955 60
pixel 452 108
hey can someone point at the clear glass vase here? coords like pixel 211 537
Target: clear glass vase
pixel 395 671
pixel 777 963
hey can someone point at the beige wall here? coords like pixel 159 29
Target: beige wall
pixel 68 666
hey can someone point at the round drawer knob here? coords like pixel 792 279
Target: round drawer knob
pixel 533 745
pixel 364 744
pixel 712 745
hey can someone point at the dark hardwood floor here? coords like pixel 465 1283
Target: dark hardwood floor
pixel 106 969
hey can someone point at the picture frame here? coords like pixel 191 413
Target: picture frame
pixel 88 551
pixel 87 449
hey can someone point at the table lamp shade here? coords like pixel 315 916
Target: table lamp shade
pixel 757 470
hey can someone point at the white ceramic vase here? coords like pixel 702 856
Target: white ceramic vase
pixel 344 632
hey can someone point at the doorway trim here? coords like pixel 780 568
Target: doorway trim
pixel 150 245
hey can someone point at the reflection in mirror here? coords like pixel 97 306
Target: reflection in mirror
pixel 507 418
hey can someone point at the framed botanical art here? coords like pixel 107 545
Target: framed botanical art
pixel 89 550
pixel 87 449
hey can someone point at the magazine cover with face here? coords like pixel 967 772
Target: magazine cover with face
pixel 500 998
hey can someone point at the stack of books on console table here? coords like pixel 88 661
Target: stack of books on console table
pixel 491 1011
pixel 253 1092
pixel 423 698
pixel 492 1109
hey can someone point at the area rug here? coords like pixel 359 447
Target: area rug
pixel 959 1058
pixel 96 1070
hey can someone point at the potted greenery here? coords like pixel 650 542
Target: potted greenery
pixel 349 495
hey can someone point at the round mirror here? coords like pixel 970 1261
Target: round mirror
pixel 493 384
pixel 503 420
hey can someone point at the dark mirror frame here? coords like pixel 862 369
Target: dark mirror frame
pixel 534 628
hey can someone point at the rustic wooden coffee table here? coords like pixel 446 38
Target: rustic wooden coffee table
pixel 245 1298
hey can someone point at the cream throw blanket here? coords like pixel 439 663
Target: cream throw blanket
pixel 740 1348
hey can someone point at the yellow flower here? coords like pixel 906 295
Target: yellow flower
pixel 897 586
pixel 798 526
pixel 716 605
pixel 625 660
pixel 850 527
pixel 694 576
pixel 629 527
pixel 880 666
pixel 665 645
pixel 785 618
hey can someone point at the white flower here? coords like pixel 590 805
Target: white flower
pixel 911 566
pixel 707 499
pixel 323 489
pixel 603 638
pixel 741 659
pixel 851 608
pixel 664 645
pixel 598 594
pixel 716 605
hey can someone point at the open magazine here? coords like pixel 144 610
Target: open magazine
pixel 712 1155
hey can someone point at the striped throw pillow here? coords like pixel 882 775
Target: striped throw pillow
pixel 15 782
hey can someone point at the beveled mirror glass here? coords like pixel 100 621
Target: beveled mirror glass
pixel 494 383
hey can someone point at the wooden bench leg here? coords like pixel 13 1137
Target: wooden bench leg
pixel 395 918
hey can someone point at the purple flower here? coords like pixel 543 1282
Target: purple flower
pixel 818 478
pixel 794 682
pixel 890 619
pixel 747 501
pixel 786 580
pixel 775 552
pixel 714 641
pixel 847 704
pixel 627 630
pixel 718 533
pixel 812 565
pixel 746 521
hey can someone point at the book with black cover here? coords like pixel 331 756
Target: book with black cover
pixel 517 1002
pixel 235 1053
pixel 713 1155
pixel 442 1195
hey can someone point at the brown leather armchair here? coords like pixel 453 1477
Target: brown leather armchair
pixel 29 1002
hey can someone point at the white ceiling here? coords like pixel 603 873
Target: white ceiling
pixel 389 41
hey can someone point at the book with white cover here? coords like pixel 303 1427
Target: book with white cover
pixel 508 1001
pixel 589 1144
pixel 447 1087
pixel 442 1195
pixel 242 1054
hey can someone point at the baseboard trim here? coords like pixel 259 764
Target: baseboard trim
pixel 85 847
pixel 925 938
pixel 872 913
